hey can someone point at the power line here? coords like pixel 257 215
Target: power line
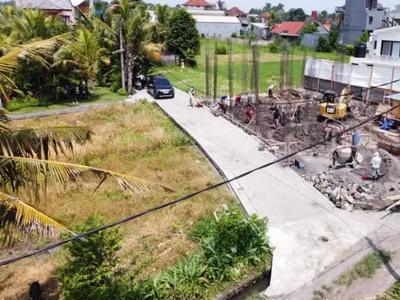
pixel 282 103
pixel 167 204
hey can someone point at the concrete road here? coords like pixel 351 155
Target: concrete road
pixel 300 218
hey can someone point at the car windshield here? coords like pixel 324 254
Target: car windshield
pixel 163 82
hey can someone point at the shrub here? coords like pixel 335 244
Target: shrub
pixel 202 229
pixel 122 92
pixel 17 104
pixel 234 35
pixel 323 45
pixel 252 37
pixel 350 49
pixel 221 50
pixel 273 48
pixel 91 271
pixel 115 86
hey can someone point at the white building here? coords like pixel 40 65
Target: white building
pixel 395 14
pixel 197 5
pixel 383 48
pixel 217 25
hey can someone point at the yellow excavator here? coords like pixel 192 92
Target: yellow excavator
pixel 334 107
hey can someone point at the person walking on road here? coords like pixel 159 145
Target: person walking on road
pixel 192 95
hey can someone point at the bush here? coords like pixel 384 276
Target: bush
pixel 350 49
pixel 273 48
pixel 115 86
pixel 122 92
pixel 17 104
pixel 234 35
pixel 323 45
pixel 252 37
pixel 221 50
pixel 92 268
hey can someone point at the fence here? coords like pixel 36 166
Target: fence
pixel 171 60
pixel 311 39
pixel 321 75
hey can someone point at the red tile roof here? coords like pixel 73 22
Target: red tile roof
pixel 234 11
pixel 289 28
pixel 197 3
pixel 265 15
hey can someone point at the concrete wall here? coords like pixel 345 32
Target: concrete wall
pixel 378 17
pixel 311 39
pixel 354 23
pixel 220 29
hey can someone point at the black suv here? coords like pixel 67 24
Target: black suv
pixel 160 87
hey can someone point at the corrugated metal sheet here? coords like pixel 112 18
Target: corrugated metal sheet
pixel 216 19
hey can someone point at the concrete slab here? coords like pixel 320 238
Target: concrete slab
pixel 299 216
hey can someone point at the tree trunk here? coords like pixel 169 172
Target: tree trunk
pixel 129 71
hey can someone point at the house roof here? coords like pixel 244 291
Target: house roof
pixel 265 15
pixel 45 4
pixel 80 2
pixel 289 28
pixel 259 25
pixel 234 11
pixel 327 26
pixel 197 3
pixel 216 19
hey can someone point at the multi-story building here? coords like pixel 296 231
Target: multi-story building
pixel 361 16
pixel 68 10
pixel 197 5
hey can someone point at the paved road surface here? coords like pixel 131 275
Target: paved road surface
pixel 299 216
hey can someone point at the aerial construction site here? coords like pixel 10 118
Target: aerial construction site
pixel 355 161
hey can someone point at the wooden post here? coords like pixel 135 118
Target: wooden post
pixel 369 86
pixel 333 71
pixel 319 75
pixel 391 82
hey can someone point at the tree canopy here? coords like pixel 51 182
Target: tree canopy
pixel 182 35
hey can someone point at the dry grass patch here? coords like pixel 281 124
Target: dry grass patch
pixel 138 140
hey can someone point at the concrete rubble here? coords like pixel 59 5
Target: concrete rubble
pixel 350 195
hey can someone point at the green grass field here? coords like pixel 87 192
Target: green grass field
pixel 269 70
pixel 100 95
pixel 268 74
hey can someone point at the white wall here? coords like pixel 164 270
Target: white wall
pixel 378 17
pixel 390 34
pixel 223 29
pixel 195 7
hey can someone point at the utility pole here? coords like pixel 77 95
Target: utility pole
pixel 121 43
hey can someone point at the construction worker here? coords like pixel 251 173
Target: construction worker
pixel 192 95
pixel 238 100
pixel 271 90
pixel 276 117
pixel 376 165
pixel 282 117
pixel 297 114
pixel 249 114
pixel 222 104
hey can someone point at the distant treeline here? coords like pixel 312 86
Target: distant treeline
pixel 7 3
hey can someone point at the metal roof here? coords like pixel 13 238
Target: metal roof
pixel 215 19
pixel 394 97
pixel 45 4
pixel 197 3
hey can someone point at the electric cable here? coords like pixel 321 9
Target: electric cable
pixel 184 198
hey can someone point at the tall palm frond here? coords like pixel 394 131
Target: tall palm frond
pixel 37 51
pixel 39 142
pixel 16 214
pixel 163 13
pixel 34 175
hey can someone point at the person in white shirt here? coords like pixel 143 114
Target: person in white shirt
pixel 376 165
pixel 192 95
pixel 270 91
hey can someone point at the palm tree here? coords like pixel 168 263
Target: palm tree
pixel 26 170
pixel 273 18
pixel 137 36
pixel 84 54
pixel 159 30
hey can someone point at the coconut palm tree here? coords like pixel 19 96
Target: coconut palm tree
pixel 272 19
pixel 84 54
pixel 137 36
pixel 26 165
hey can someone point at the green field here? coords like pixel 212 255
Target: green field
pixel 269 70
pixel 100 95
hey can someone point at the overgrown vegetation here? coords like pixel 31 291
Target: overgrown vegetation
pixel 365 268
pixel 230 248
pixel 391 294
pixel 137 140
